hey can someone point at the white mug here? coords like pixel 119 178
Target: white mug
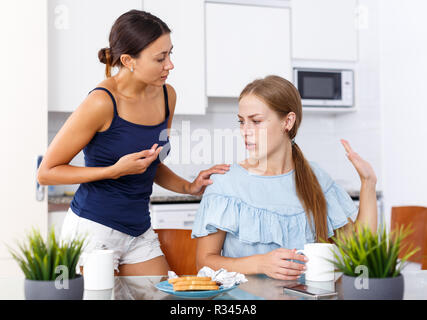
pixel 98 270
pixel 318 266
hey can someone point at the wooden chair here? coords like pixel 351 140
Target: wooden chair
pixel 417 217
pixel 179 250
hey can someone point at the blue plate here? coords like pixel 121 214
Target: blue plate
pixel 165 286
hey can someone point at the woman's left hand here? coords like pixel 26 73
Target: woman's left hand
pixel 198 186
pixel 364 169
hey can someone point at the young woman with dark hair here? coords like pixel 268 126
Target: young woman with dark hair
pixel 122 126
pixel 254 217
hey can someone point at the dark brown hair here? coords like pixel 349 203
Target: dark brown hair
pixel 131 33
pixel 282 97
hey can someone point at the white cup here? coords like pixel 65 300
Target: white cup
pixel 98 270
pixel 318 266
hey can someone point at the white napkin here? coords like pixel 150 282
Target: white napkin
pixel 172 275
pixel 226 279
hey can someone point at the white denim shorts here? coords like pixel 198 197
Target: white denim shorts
pixel 127 249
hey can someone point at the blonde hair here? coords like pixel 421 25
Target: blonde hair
pixel 282 97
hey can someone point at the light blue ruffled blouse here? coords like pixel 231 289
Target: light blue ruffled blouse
pixel 263 213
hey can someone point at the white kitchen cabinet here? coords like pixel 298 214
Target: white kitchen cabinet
pixel 243 43
pixel 186 20
pixel 23 122
pixel 77 30
pixel 324 30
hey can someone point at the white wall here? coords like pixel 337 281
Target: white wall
pixel 23 121
pixel 403 59
pixel 363 128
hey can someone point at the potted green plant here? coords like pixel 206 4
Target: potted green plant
pixel 50 267
pixel 370 264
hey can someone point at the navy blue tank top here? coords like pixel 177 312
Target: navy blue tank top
pixel 121 204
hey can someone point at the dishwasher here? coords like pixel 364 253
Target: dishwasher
pixel 173 215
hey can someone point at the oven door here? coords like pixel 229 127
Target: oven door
pixel 320 88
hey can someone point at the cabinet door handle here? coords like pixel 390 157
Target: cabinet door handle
pixel 40 190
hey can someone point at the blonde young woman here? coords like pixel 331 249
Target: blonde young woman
pixel 254 217
pixel 122 127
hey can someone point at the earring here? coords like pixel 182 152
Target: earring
pixel 131 68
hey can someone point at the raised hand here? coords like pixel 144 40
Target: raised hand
pixel 363 168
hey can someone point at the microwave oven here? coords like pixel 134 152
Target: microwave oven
pixel 325 87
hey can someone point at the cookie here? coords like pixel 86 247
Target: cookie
pixel 185 282
pixel 189 278
pixel 194 287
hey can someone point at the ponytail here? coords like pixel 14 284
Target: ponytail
pixel 104 56
pixel 310 194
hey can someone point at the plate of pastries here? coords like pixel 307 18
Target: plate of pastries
pixel 192 287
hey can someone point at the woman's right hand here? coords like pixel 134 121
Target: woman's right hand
pixel 135 163
pixel 275 264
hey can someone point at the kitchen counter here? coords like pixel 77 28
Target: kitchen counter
pixel 258 287
pixel 62 203
pixel 58 203
pixel 354 194
pixel 175 199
